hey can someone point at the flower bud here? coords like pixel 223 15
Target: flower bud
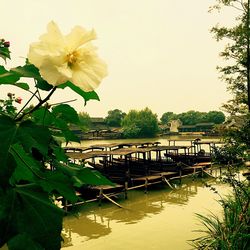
pixel 10 95
pixel 6 44
pixel 18 100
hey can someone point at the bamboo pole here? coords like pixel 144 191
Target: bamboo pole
pixel 165 180
pixel 208 173
pixel 108 198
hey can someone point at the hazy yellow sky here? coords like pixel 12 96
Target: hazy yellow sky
pixel 160 53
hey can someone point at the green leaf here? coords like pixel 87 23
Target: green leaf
pixel 7 134
pixel 4 53
pixel 83 175
pixel 7 171
pixel 61 128
pixel 59 153
pixel 66 112
pixel 23 241
pixel 92 177
pixel 28 70
pixel 43 85
pixel 8 77
pixel 29 203
pixel 22 85
pixel 27 167
pixel 56 181
pixel 43 116
pixel 86 95
pixel 65 131
pixel 34 136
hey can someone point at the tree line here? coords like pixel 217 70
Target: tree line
pixel 145 123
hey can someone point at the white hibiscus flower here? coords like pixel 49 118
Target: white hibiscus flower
pixel 68 58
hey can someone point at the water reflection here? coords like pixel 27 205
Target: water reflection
pixel 94 222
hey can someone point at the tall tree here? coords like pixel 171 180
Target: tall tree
pixel 167 117
pixel 237 51
pixel 84 121
pixel 216 117
pixel 142 123
pixel 115 117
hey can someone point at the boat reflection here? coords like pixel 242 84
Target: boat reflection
pixel 93 222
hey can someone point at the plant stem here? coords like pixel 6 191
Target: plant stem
pixel 38 105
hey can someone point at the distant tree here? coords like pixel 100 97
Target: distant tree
pixel 85 121
pixel 167 117
pixel 191 117
pixel 140 124
pixel 216 117
pixel 114 118
pixel 237 54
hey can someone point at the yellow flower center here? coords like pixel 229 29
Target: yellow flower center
pixel 71 58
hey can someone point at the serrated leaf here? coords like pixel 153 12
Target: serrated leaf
pixel 66 112
pixel 92 95
pixel 56 181
pixel 29 203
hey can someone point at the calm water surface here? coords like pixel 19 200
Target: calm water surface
pixel 180 140
pixel 161 219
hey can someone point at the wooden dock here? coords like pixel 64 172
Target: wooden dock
pixel 135 165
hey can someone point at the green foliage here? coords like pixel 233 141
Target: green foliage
pixel 114 118
pixel 193 117
pixel 229 153
pixel 85 95
pixel 34 167
pixel 241 134
pixel 140 124
pixel 236 53
pixel 84 121
pixel 216 117
pixel 168 117
pixel 4 49
pixel 232 230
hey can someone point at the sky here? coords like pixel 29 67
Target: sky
pixel 160 53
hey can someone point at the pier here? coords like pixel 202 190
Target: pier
pixel 139 165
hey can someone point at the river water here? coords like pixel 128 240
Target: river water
pixel 160 219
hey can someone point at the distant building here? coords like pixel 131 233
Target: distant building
pixel 98 123
pixel 174 126
pixel 199 127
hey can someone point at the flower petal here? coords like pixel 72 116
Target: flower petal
pixel 88 77
pixel 68 58
pixel 53 37
pixel 79 36
pixel 50 73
